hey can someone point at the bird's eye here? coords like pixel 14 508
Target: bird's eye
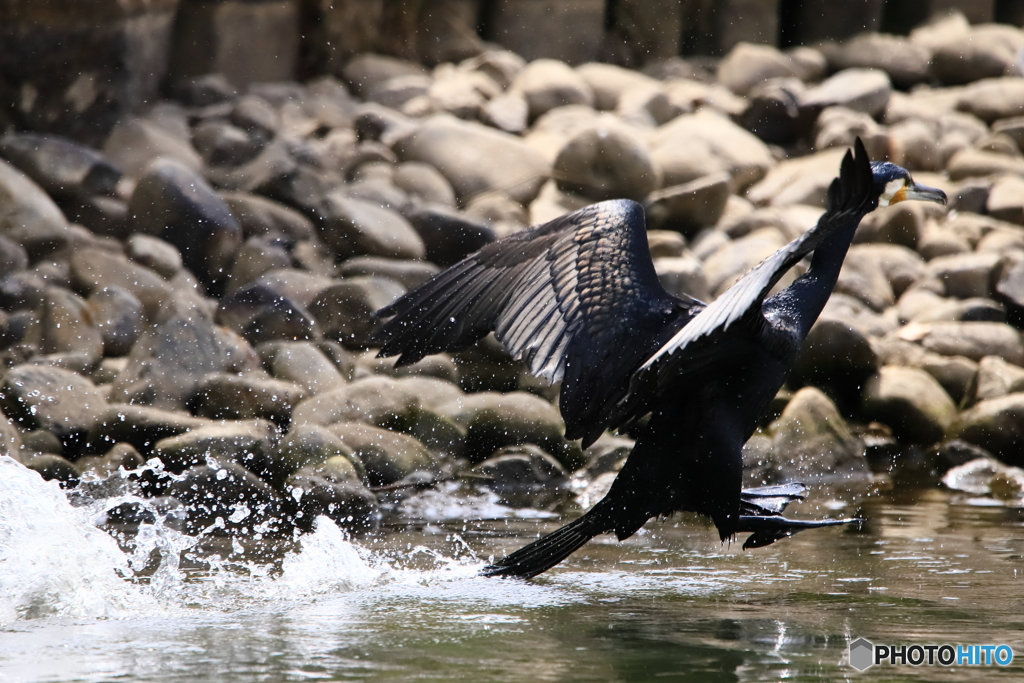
pixel 895 192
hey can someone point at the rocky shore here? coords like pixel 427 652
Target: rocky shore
pixel 197 292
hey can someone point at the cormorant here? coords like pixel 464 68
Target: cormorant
pixel 578 299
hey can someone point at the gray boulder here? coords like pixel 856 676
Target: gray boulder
pixel 243 397
pixel 61 402
pixel 344 310
pixel 387 456
pixel 910 401
pixel 118 317
pixel 548 83
pixel 28 216
pixel 605 163
pixel 302 363
pixel 997 425
pixel 227 495
pixel 354 227
pixel 140 426
pixel 249 443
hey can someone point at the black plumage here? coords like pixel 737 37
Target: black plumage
pixel 578 299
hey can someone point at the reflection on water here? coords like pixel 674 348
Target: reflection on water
pixel 671 604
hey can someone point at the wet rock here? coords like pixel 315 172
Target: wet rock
pixel 604 163
pixel 260 314
pixel 548 83
pixel 748 65
pixel 969 163
pixel 997 425
pixel 910 401
pixel 24 290
pixel 13 256
pixel 495 420
pixel 344 310
pixel 997 378
pixel 61 402
pixel 774 113
pixel 104 466
pixel 812 442
pixel 177 205
pixel 248 443
pixel 907 63
pixel 802 180
pixel 837 356
pixel 447 235
pixel 10 439
pixel 956 374
pixel 134 143
pixel 295 284
pixel 349 504
pixel 139 426
pixel 222 144
pixel 54 467
pixel 155 254
pixel 260 216
pixel 61 167
pixel 863 90
pixel 901 266
pixel 355 227
pixel 973 340
pixel 256 116
pixel 243 397
pixel 727 265
pixel 424 182
pixel 974 56
pixel 228 493
pixel 695 145
pixel 509 112
pixel 524 476
pixel 1009 290
pixel 665 243
pixel 314 450
pixel 409 274
pixel 366 71
pixel 41 441
pixel 28 216
pixel 302 363
pixel 66 325
pixel 373 400
pixel 609 82
pixel 476 159
pixel 256 257
pixel 386 455
pixel 986 476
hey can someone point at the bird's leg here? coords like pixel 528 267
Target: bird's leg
pixel 761 513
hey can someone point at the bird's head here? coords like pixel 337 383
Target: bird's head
pixel 894 184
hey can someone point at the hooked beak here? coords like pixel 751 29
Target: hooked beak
pixel 921 192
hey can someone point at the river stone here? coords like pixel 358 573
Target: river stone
pixel 727 265
pixel 229 493
pixel 966 275
pixel 901 266
pixel 694 145
pixel 524 476
pixel 956 374
pixel 366 71
pixel 222 144
pixel 355 227
pixel 247 442
pixel 993 98
pixel 135 143
pixel 314 450
pixel 53 467
pixel 349 504
pixel 61 167
pixel 117 315
pixel 344 311
pixel 906 62
pixel 13 256
pixel 911 402
pixel 259 216
pixel 973 340
pixel 608 82
pixel 1005 200
pixel 260 314
pixel 28 216
pixel 140 426
pixel 803 180
pixel 22 290
pixel 242 397
pixel 476 159
pixel 61 402
pixel 494 420
pixel 748 65
pixel 862 278
pixel 606 163
pixel 986 476
pixel 548 83
pixel 409 274
pixel 66 325
pixel 104 466
pixel 997 378
pixel 373 400
pixel 972 57
pixel 681 275
pixel 864 90
pixel 256 257
pixel 812 442
pixel 386 455
pixel 997 425
pixel 302 363
pixel 41 441
pixel 174 203
pixel 424 182
pixel 10 438
pixel 837 356
pixel 774 114
pixel 449 236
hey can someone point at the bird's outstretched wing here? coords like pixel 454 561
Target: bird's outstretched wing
pixel 850 196
pixel 576 298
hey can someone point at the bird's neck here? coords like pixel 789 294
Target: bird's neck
pixel 811 291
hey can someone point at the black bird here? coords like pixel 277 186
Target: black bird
pixel 578 299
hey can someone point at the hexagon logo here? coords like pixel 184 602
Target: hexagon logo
pixel 862 654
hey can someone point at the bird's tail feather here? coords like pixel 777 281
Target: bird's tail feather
pixel 545 553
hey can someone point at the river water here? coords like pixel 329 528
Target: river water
pixel 671 604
